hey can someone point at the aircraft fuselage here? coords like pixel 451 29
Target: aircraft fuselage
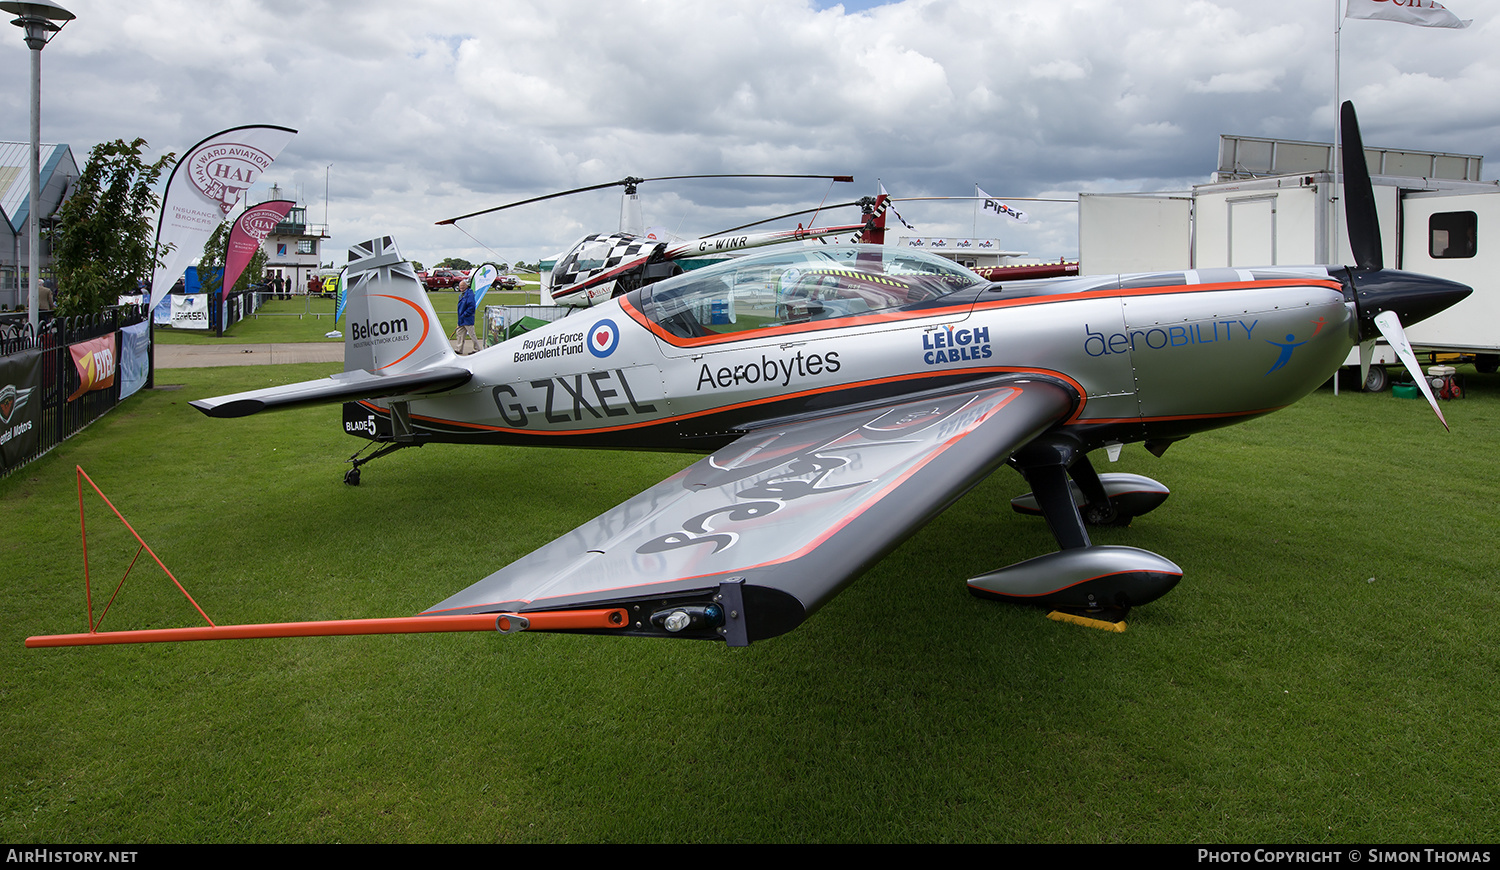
pixel 1155 356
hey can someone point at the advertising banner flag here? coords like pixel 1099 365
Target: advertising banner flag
pixel 20 406
pixel 245 237
pixel 338 309
pixel 190 311
pixel 1423 13
pixel 95 361
pixel 998 208
pixel 204 187
pixel 135 358
pixel 483 280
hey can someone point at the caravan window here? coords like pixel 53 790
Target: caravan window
pixel 1452 235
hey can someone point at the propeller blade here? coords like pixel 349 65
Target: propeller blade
pixel 1390 327
pixel 1359 197
pixel 1366 351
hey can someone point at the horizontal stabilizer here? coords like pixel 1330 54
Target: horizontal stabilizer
pixel 343 387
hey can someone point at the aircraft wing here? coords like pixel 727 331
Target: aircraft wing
pixel 771 527
pixel 342 387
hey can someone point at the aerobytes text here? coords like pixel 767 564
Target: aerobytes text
pixel 768 370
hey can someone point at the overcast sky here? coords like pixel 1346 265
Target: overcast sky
pixel 428 110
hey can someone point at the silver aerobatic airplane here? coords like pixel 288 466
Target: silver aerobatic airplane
pixel 845 395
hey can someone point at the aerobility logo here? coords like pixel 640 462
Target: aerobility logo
pixel 1157 338
pixel 1291 344
pixel 948 345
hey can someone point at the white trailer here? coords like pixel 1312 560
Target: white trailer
pixel 1443 226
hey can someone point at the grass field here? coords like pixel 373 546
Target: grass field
pixel 303 319
pixel 1326 672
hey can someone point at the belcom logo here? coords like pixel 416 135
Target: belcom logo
pixel 402 330
pixel 369 329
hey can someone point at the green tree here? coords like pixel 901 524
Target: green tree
pixel 455 263
pixel 215 254
pixel 104 243
pixel 416 265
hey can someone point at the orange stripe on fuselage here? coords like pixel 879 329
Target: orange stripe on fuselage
pixel 977 372
pixel 900 316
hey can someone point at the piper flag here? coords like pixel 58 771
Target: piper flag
pixel 1423 13
pixel 998 208
pixel 204 187
pixel 245 237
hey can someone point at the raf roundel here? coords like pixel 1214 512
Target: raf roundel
pixel 603 338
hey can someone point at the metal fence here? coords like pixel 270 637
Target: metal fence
pixel 502 322
pixel 57 419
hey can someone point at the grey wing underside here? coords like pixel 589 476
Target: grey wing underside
pixel 347 386
pixel 784 517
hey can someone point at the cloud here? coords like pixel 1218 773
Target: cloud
pixel 430 110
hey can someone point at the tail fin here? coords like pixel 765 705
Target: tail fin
pixel 393 343
pixel 391 327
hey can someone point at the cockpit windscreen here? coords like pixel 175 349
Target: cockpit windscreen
pixel 800 286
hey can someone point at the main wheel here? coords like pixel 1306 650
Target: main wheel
pixel 351 476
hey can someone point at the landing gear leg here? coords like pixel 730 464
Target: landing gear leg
pixel 351 476
pixel 1044 464
pixel 1099 509
pixel 1094 584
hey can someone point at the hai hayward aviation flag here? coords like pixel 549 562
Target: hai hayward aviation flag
pixel 205 186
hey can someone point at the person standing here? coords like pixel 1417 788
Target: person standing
pixel 466 308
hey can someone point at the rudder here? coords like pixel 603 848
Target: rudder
pixel 390 327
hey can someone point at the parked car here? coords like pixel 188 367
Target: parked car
pixel 442 279
pixel 509 281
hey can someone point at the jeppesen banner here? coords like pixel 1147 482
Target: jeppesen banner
pixel 204 187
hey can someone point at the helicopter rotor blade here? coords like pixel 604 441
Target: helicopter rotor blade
pixel 629 181
pixel 787 215
pixel 744 175
pixel 454 220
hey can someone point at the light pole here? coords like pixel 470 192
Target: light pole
pixel 36 17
